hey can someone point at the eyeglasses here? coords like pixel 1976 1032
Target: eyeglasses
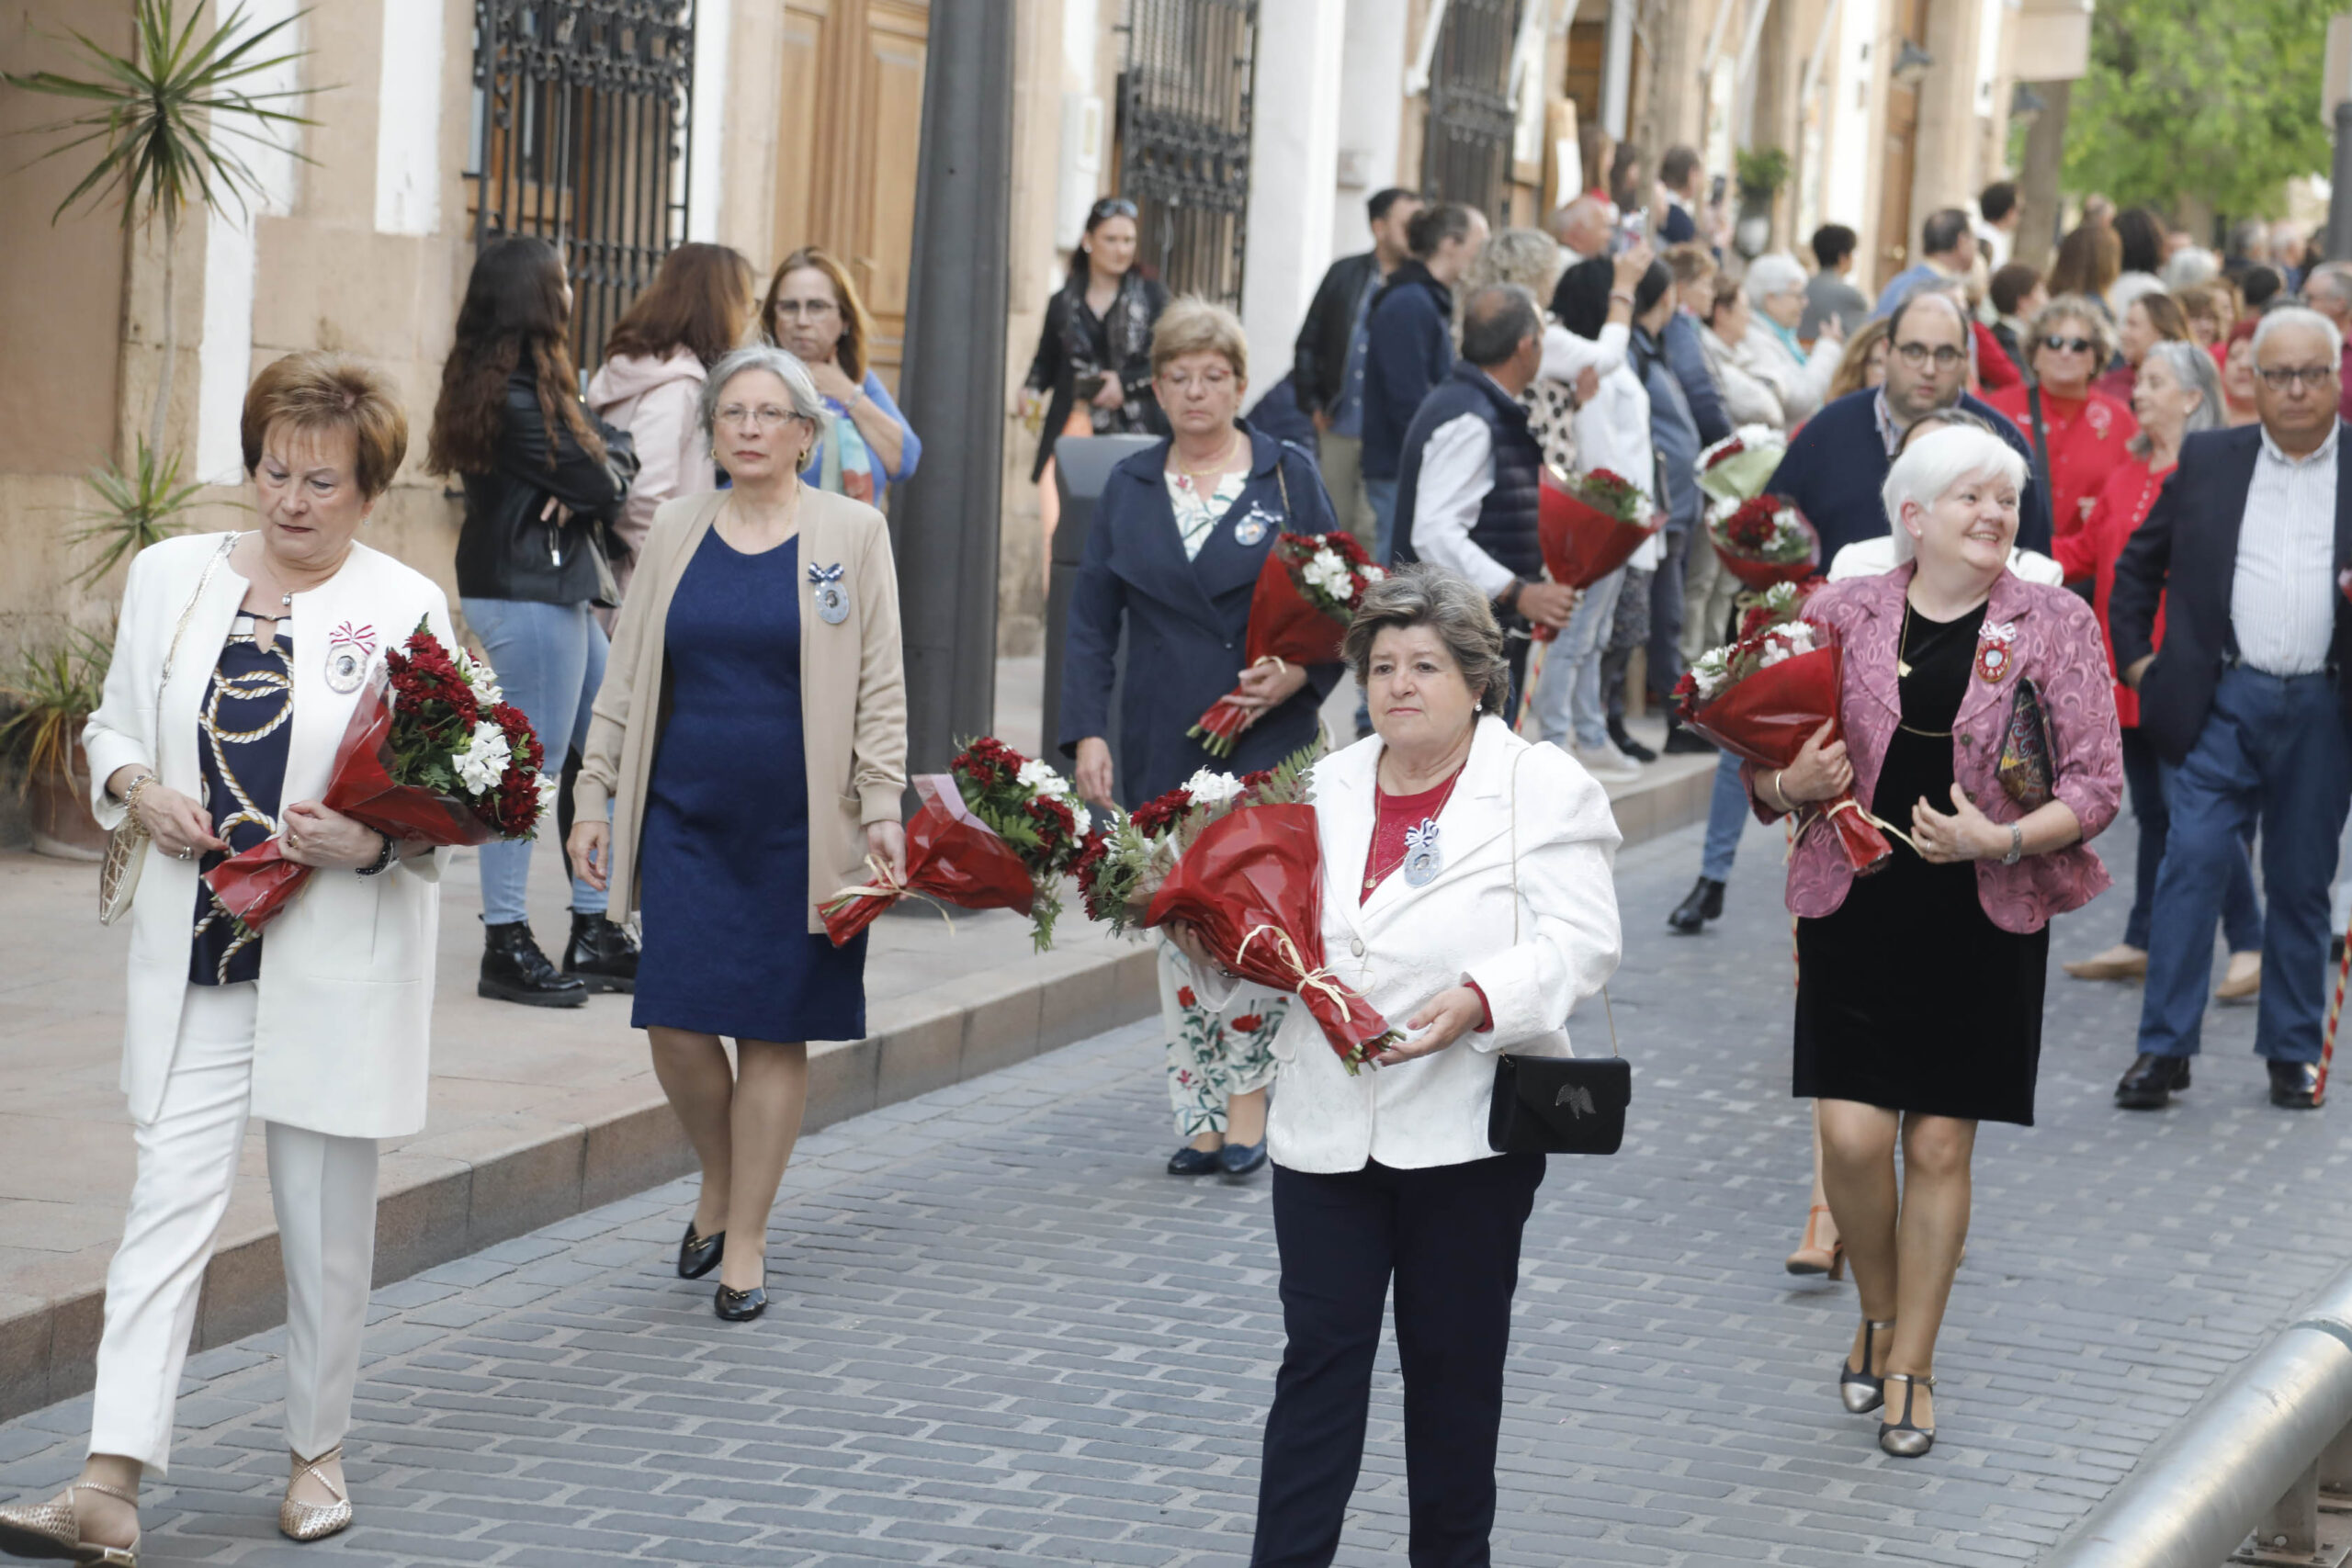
pixel 1109 207
pixel 2297 374
pixel 2068 344
pixel 735 416
pixel 1917 354
pixel 1206 380
pixel 805 310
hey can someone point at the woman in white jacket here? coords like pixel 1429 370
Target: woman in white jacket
pixel 695 311
pixel 238 664
pixel 1467 896
pixel 1771 351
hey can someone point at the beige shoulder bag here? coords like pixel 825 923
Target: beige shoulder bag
pixel 127 845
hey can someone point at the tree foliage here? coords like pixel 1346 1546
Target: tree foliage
pixel 2189 101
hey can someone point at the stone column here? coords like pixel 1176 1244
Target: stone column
pixel 1944 172
pixel 943 522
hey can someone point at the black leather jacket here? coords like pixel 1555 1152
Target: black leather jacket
pixel 1319 358
pixel 506 550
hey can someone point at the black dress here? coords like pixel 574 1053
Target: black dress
pixel 1909 997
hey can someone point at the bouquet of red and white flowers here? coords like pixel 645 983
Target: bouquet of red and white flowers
pixel 1589 525
pixel 1738 467
pixel 996 832
pixel 433 753
pixel 1762 697
pixel 1765 540
pixel 1306 593
pixel 1122 867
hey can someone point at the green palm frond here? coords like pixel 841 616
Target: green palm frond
pixel 140 505
pixel 55 688
pixel 163 115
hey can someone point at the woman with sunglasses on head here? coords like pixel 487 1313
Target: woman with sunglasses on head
pixel 1092 370
pixel 2076 432
pixel 864 443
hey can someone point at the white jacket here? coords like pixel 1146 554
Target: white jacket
pixel 1747 400
pixel 1802 385
pixel 1535 952
pixel 346 977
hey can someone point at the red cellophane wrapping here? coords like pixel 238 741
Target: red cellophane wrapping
pixel 1762 574
pixel 952 856
pixel 1282 625
pixel 254 885
pixel 1252 885
pixel 1768 717
pixel 1583 544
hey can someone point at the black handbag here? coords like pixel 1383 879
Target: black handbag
pixel 1556 1105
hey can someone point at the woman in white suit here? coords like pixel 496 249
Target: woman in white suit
pixel 1468 897
pixel 239 661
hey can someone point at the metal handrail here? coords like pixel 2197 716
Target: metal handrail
pixel 2252 1457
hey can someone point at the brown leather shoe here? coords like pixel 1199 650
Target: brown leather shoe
pixel 2243 979
pixel 2118 963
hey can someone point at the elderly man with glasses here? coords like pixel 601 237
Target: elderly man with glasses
pixel 2244 703
pixel 1838 461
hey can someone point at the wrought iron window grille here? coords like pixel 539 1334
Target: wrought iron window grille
pixel 1466 145
pixel 1185 100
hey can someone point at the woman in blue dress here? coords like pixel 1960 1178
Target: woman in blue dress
pixel 1172 558
pixel 750 734
pixel 864 443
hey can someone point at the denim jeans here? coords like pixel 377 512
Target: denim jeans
pixel 2241 912
pixel 549 660
pixel 2273 752
pixel 1381 493
pixel 1664 643
pixel 1726 821
pixel 1567 693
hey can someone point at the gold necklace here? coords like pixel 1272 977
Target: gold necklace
pixel 1193 476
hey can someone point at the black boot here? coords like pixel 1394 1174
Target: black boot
pixel 1627 744
pixel 515 970
pixel 601 955
pixel 1704 903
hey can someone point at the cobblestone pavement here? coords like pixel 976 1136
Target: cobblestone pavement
pixel 1002 1337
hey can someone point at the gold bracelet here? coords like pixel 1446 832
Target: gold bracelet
pixel 131 801
pixel 1787 804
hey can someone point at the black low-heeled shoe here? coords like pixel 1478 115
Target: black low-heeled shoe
pixel 740 1306
pixel 698 1255
pixel 1862 1391
pixel 1190 1161
pixel 1241 1159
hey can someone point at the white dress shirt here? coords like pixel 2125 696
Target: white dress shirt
pixel 1457 470
pixel 2282 601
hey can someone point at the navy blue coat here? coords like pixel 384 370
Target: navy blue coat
pixel 1408 349
pixel 1187 622
pixel 2185 558
pixel 1837 465
pixel 1687 357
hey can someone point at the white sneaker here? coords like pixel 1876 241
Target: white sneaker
pixel 1606 762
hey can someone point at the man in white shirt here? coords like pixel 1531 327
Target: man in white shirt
pixel 1470 485
pixel 2247 549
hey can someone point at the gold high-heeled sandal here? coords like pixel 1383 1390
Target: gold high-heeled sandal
pixel 1812 1258
pixel 314 1521
pixel 53 1530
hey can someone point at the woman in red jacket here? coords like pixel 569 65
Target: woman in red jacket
pixel 2179 393
pixel 2081 431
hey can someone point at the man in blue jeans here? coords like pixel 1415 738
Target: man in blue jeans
pixel 2246 704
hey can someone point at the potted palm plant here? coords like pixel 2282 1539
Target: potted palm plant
pixel 162 121
pixel 55 688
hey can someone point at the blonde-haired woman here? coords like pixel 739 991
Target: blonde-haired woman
pixel 1174 554
pixel 864 443
pixel 239 661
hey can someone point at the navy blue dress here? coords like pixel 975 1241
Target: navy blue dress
pixel 724 863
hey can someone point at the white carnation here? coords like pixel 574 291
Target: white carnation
pixel 1082 821
pixel 1209 787
pixel 483 761
pixel 548 785
pixel 1373 574
pixel 1326 573
pixel 1039 778
pixel 480 678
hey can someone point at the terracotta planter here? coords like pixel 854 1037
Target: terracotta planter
pixel 61 822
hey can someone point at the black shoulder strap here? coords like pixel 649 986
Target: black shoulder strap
pixel 2042 454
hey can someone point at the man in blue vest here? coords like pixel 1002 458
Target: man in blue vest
pixel 1470 485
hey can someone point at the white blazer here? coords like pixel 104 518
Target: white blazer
pixel 1535 952
pixel 345 994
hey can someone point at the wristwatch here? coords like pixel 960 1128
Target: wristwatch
pixel 2016 845
pixel 383 860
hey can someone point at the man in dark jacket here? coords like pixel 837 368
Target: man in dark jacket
pixel 1327 371
pixel 2246 703
pixel 1409 345
pixel 1472 484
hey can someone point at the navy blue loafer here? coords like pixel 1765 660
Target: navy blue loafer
pixel 1240 1159
pixel 1190 1161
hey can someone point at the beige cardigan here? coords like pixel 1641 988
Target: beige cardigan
pixel 853 690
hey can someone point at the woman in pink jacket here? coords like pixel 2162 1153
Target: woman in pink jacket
pixel 695 311
pixel 1920 986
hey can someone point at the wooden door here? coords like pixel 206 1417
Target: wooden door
pixel 1902 143
pixel 848 149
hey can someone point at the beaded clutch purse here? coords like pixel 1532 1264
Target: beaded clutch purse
pixel 2026 770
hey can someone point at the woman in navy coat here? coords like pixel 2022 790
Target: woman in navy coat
pixel 1178 539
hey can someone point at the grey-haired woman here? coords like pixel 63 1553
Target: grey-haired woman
pixel 2177 394
pixel 1480 941
pixel 750 739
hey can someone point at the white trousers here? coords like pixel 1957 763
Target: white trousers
pixel 323 1189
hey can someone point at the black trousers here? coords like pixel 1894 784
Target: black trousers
pixel 1449 1235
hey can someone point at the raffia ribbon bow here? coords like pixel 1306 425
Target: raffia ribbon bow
pixel 1321 981
pixel 886 885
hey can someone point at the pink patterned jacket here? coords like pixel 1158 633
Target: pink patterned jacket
pixel 2056 644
